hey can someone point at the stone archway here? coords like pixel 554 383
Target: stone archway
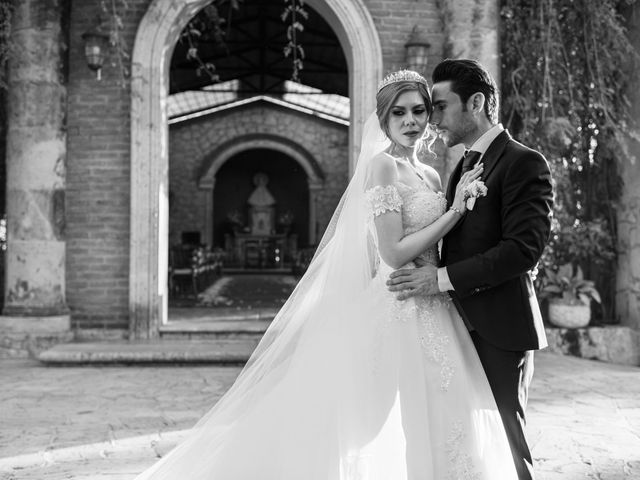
pixel 225 152
pixel 156 37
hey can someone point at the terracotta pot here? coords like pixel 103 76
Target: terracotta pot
pixel 569 316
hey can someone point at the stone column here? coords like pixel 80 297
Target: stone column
pixel 36 154
pixel 628 274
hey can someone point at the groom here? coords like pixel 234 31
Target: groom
pixel 488 257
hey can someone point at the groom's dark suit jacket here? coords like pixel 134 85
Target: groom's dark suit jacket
pixel 491 251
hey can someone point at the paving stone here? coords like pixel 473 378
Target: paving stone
pixel 111 422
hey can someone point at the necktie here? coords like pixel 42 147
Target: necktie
pixel 469 160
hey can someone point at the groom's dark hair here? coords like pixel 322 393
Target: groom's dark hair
pixel 468 77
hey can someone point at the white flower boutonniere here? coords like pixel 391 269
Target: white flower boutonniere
pixel 475 189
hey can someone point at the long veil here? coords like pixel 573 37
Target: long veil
pixel 340 272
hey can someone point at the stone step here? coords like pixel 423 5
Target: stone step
pixel 230 326
pixel 219 330
pixel 216 351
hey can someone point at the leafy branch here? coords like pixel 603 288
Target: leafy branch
pixel 567 67
pixel 293 12
pixel 207 25
pixel 114 9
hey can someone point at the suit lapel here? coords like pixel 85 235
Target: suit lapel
pixel 489 159
pixel 493 154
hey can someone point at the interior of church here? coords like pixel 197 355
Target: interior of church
pixel 256 161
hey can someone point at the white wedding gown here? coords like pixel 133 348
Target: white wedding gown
pixel 382 390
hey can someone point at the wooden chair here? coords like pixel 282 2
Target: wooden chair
pixel 182 274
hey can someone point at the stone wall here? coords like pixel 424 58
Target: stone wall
pixel 193 143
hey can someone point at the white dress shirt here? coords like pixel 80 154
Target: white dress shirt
pixel 481 145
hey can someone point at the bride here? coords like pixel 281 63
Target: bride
pixel 349 383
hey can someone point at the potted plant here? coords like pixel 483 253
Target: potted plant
pixel 285 221
pixel 234 218
pixel 569 296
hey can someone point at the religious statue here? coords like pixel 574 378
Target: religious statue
pixel 261 207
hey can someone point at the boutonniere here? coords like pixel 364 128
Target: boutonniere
pixel 475 189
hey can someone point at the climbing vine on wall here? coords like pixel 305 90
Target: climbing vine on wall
pixel 566 67
pixel 114 11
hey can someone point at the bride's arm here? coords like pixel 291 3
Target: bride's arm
pixel 395 248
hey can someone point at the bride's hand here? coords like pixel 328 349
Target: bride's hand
pixel 459 200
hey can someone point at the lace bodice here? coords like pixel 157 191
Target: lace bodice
pixel 419 206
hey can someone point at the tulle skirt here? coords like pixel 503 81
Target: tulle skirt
pixel 379 390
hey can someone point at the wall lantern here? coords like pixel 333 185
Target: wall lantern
pixel 95 43
pixel 417 51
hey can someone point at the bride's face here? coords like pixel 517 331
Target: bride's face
pixel 407 119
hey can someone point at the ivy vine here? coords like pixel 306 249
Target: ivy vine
pixel 208 25
pixel 293 12
pixel 114 11
pixel 211 26
pixel 566 69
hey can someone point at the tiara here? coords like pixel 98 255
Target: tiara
pixel 402 76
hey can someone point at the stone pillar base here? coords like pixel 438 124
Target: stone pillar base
pixel 24 337
pixel 614 343
pixel 14 311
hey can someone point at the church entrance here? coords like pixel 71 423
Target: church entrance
pixel 261 226
pixel 342 60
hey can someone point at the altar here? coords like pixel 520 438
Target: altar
pixel 259 244
pixel 247 250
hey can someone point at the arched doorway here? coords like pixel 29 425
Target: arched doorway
pixel 236 181
pixel 296 160
pixel 155 41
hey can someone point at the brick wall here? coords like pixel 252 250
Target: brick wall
pixel 98 172
pixel 395 19
pixel 191 144
pixel 98 165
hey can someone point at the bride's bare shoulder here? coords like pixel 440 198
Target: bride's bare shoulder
pixel 383 168
pixel 383 159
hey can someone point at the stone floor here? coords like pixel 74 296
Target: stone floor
pixel 241 291
pixel 108 423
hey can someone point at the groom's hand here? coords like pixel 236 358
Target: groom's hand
pixel 414 281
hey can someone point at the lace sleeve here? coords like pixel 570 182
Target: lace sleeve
pixel 383 199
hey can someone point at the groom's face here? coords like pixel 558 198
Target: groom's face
pixel 451 118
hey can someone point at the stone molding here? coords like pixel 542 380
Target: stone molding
pixel 156 37
pixel 35 325
pixel 240 144
pixel 243 143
